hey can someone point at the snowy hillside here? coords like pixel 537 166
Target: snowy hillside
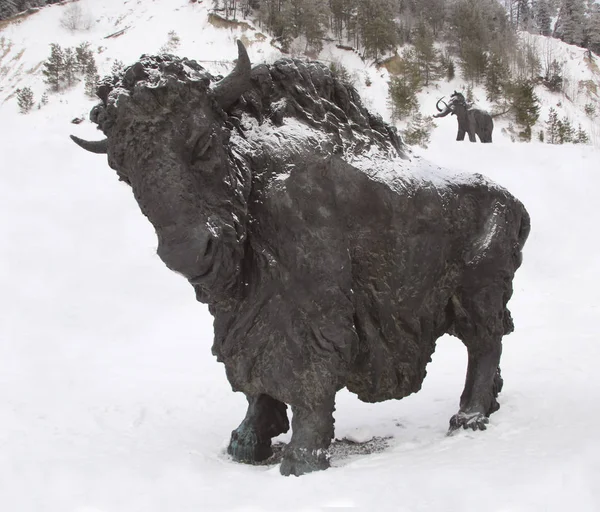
pixel 110 400
pixel 122 31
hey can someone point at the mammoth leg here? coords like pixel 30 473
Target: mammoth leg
pixel 487 135
pixel 461 134
pixel 312 432
pixel 472 136
pixel 251 441
pixel 481 322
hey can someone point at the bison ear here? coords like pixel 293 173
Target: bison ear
pixel 229 90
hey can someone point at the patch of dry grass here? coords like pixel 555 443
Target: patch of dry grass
pixel 35 68
pixel 16 19
pixel 18 56
pixel 590 86
pixel 395 65
pixel 592 64
pixel 220 22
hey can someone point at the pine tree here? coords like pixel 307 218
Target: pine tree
pixel 592 27
pixel 25 100
pixel 426 54
pixel 404 86
pixel 523 15
pixel 83 55
pixel 434 12
pixel 418 131
pixel 117 67
pixel 313 19
pixel 590 110
pixel 274 15
pixel 477 27
pixel 581 137
pixel 544 11
pixel 474 61
pixel 496 77
pixel 8 8
pixel 403 98
pixel 565 131
pixel 339 71
pixel 377 27
pixel 70 65
pixel 552 126
pixel 469 95
pixel 54 67
pixel 526 106
pixel 532 60
pixel 571 21
pixel 553 79
pixel 91 78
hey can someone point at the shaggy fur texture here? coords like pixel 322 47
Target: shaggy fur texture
pixel 327 258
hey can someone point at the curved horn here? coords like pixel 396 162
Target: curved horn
pixel 437 105
pixel 228 90
pixel 95 146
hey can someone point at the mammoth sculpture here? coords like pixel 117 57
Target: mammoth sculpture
pixel 473 121
pixel 327 257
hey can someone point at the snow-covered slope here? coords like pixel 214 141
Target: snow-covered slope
pixel 145 25
pixel 124 30
pixel 110 400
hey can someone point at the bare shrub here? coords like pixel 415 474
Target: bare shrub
pixel 75 18
pixel 172 43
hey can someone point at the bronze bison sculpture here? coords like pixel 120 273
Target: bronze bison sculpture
pixel 327 257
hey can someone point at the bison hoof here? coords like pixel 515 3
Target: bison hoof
pixel 246 447
pixel 300 461
pixel 474 421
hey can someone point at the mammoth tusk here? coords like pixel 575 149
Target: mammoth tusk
pixel 228 90
pixel 94 146
pixel 437 105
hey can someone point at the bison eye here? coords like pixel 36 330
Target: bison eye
pixel 202 147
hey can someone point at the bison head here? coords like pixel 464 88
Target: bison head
pixel 457 100
pixel 167 136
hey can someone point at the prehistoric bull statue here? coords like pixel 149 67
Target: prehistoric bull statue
pixel 327 258
pixel 471 120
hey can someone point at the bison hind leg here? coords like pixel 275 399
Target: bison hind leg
pixel 265 418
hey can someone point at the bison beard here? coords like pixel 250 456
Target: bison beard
pixel 327 257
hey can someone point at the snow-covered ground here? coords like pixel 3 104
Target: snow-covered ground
pixel 110 400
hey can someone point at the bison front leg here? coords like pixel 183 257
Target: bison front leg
pixel 312 432
pixel 251 441
pixel 480 326
pixel 483 383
